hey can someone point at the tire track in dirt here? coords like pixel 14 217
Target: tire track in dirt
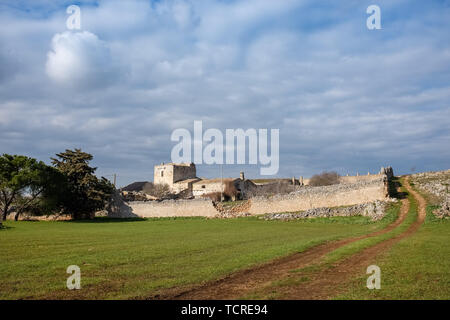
pixel 327 283
pixel 242 282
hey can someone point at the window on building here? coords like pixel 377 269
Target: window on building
pixel 162 173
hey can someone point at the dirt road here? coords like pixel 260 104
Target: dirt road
pixel 327 283
pixel 322 284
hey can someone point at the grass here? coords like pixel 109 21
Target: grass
pixel 138 258
pixel 354 247
pixel 417 267
pixel 360 245
pixel 122 259
pixel 275 289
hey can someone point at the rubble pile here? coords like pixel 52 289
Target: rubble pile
pixel 375 210
pixel 240 210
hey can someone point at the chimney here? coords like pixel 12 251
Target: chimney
pixel 242 175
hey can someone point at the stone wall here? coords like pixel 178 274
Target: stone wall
pixel 436 185
pixel 317 197
pixel 355 179
pixel 375 210
pixel 352 179
pixel 171 208
pixel 305 198
pixel 29 217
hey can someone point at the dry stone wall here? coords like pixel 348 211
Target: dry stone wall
pixel 317 197
pixel 356 179
pixel 374 210
pixel 169 208
pixel 305 198
pixel 437 186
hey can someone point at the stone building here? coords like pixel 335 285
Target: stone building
pixel 171 173
pixel 182 178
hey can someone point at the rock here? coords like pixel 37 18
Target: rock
pixel 437 185
pixel 240 210
pixel 375 210
pixel 444 210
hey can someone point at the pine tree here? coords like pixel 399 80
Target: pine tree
pixel 84 193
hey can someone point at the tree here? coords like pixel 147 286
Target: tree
pixel 158 190
pixel 84 193
pixel 324 179
pixel 23 181
pixel 230 190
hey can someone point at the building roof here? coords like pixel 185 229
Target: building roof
pixel 187 180
pixel 216 180
pixel 136 186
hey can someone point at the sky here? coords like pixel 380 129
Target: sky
pixel 343 97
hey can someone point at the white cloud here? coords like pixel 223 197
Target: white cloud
pixel 79 59
pixel 342 96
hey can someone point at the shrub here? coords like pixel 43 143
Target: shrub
pixel 230 190
pixel 279 187
pixel 324 179
pixel 159 190
pixel 214 196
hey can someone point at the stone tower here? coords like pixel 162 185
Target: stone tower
pixel 173 172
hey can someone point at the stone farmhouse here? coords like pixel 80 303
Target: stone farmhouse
pixel 182 178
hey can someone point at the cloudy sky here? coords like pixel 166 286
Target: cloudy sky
pixel 345 98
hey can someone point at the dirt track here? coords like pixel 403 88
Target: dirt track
pixel 327 283
pixel 321 285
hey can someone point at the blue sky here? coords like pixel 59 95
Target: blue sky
pixel 345 98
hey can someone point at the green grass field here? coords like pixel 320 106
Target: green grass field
pixel 123 259
pixel 418 267
pixel 128 259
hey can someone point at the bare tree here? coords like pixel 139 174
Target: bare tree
pixel 279 187
pixel 230 190
pixel 214 196
pixel 159 190
pixel 324 179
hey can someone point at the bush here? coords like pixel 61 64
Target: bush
pixel 157 190
pixel 279 187
pixel 214 196
pixel 230 190
pixel 324 179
